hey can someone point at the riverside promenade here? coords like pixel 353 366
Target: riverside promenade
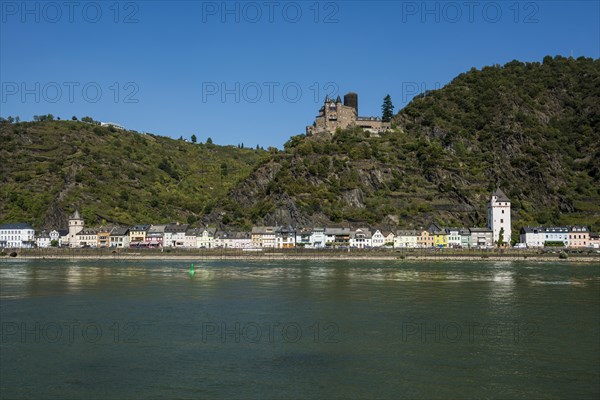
pixel 542 255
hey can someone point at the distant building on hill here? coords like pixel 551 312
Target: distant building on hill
pixel 334 115
pixel 114 125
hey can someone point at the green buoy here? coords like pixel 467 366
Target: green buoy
pixel 192 272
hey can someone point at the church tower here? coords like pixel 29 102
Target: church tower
pixel 75 226
pixel 499 216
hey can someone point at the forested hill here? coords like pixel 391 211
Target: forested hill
pixel 532 129
pixel 50 168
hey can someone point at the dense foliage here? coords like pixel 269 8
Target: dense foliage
pixel 49 168
pixel 532 129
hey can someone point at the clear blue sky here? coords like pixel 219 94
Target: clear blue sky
pixel 176 58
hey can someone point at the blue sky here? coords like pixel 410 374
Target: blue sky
pixel 257 72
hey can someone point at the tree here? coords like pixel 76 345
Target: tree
pixel 74 118
pixel 194 139
pixel 387 109
pixel 17 119
pixel 209 141
pixel 54 243
pixel 500 241
pixel 86 119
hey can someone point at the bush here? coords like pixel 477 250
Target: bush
pixel 563 255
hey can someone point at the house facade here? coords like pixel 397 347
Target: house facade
pixel 406 239
pixel 285 237
pixel 425 239
pixel 454 238
pixel 465 238
pixel 264 236
pixel 579 236
pixel 137 235
pixel 103 237
pixel 532 236
pixel 378 239
pixel 87 238
pixel 337 237
pixel 556 234
pixel 155 236
pixel 206 238
pixel 42 240
pixel 17 236
pixel 119 237
pixel 481 238
pixel 175 235
pixel 361 238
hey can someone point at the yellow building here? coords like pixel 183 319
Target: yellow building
pixel 137 234
pixel 440 239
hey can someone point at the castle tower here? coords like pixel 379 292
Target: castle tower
pixel 75 226
pixel 499 216
pixel 351 100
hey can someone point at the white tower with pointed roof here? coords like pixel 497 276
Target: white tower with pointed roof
pixel 499 216
pixel 75 226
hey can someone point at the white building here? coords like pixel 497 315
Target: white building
pixel 19 235
pixel 86 238
pixel 499 216
pixel 175 235
pixel 233 240
pixel 55 236
pixel 206 238
pixel 337 237
pixel 532 236
pixel 119 237
pixel 406 239
pixel 361 238
pixel 75 226
pixel 378 239
pixel 454 238
pixel 318 238
pixel 557 234
pixel 42 240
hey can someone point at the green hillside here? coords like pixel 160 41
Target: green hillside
pixel 531 128
pixel 50 168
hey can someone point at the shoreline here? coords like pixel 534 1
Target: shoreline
pixel 311 257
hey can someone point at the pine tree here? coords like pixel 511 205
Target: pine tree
pixel 194 138
pixel 387 109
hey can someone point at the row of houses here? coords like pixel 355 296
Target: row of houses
pixel 562 236
pixel 183 236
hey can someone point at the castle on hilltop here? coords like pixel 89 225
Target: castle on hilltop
pixel 334 115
